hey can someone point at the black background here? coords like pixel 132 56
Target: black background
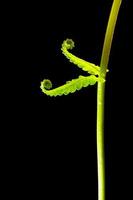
pixel 53 153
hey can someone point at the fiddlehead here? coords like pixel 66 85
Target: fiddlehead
pixel 75 84
pixel 70 86
pixel 85 65
pixel 47 84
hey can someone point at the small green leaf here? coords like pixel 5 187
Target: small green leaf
pixel 85 65
pixel 70 86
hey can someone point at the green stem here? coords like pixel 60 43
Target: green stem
pixel 100 98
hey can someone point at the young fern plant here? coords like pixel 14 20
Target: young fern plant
pixel 97 75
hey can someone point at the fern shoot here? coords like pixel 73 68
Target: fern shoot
pixel 97 74
pixel 86 66
pixel 69 86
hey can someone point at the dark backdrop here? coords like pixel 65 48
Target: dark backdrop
pixel 55 145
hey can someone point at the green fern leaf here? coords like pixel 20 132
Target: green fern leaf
pixel 85 65
pixel 70 86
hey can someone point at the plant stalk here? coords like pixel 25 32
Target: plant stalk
pixel 101 99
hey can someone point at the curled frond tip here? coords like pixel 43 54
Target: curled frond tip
pixel 68 44
pixel 47 84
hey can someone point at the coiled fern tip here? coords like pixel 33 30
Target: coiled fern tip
pixel 47 84
pixel 68 44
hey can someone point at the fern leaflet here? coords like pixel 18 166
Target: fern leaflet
pixel 70 86
pixel 85 65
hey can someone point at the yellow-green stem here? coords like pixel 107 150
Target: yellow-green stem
pixel 100 98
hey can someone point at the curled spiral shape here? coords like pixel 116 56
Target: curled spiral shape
pixel 75 84
pixel 70 86
pixel 68 44
pixel 47 84
pixel 85 65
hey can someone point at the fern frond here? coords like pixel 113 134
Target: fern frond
pixel 70 86
pixel 47 84
pixel 85 65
